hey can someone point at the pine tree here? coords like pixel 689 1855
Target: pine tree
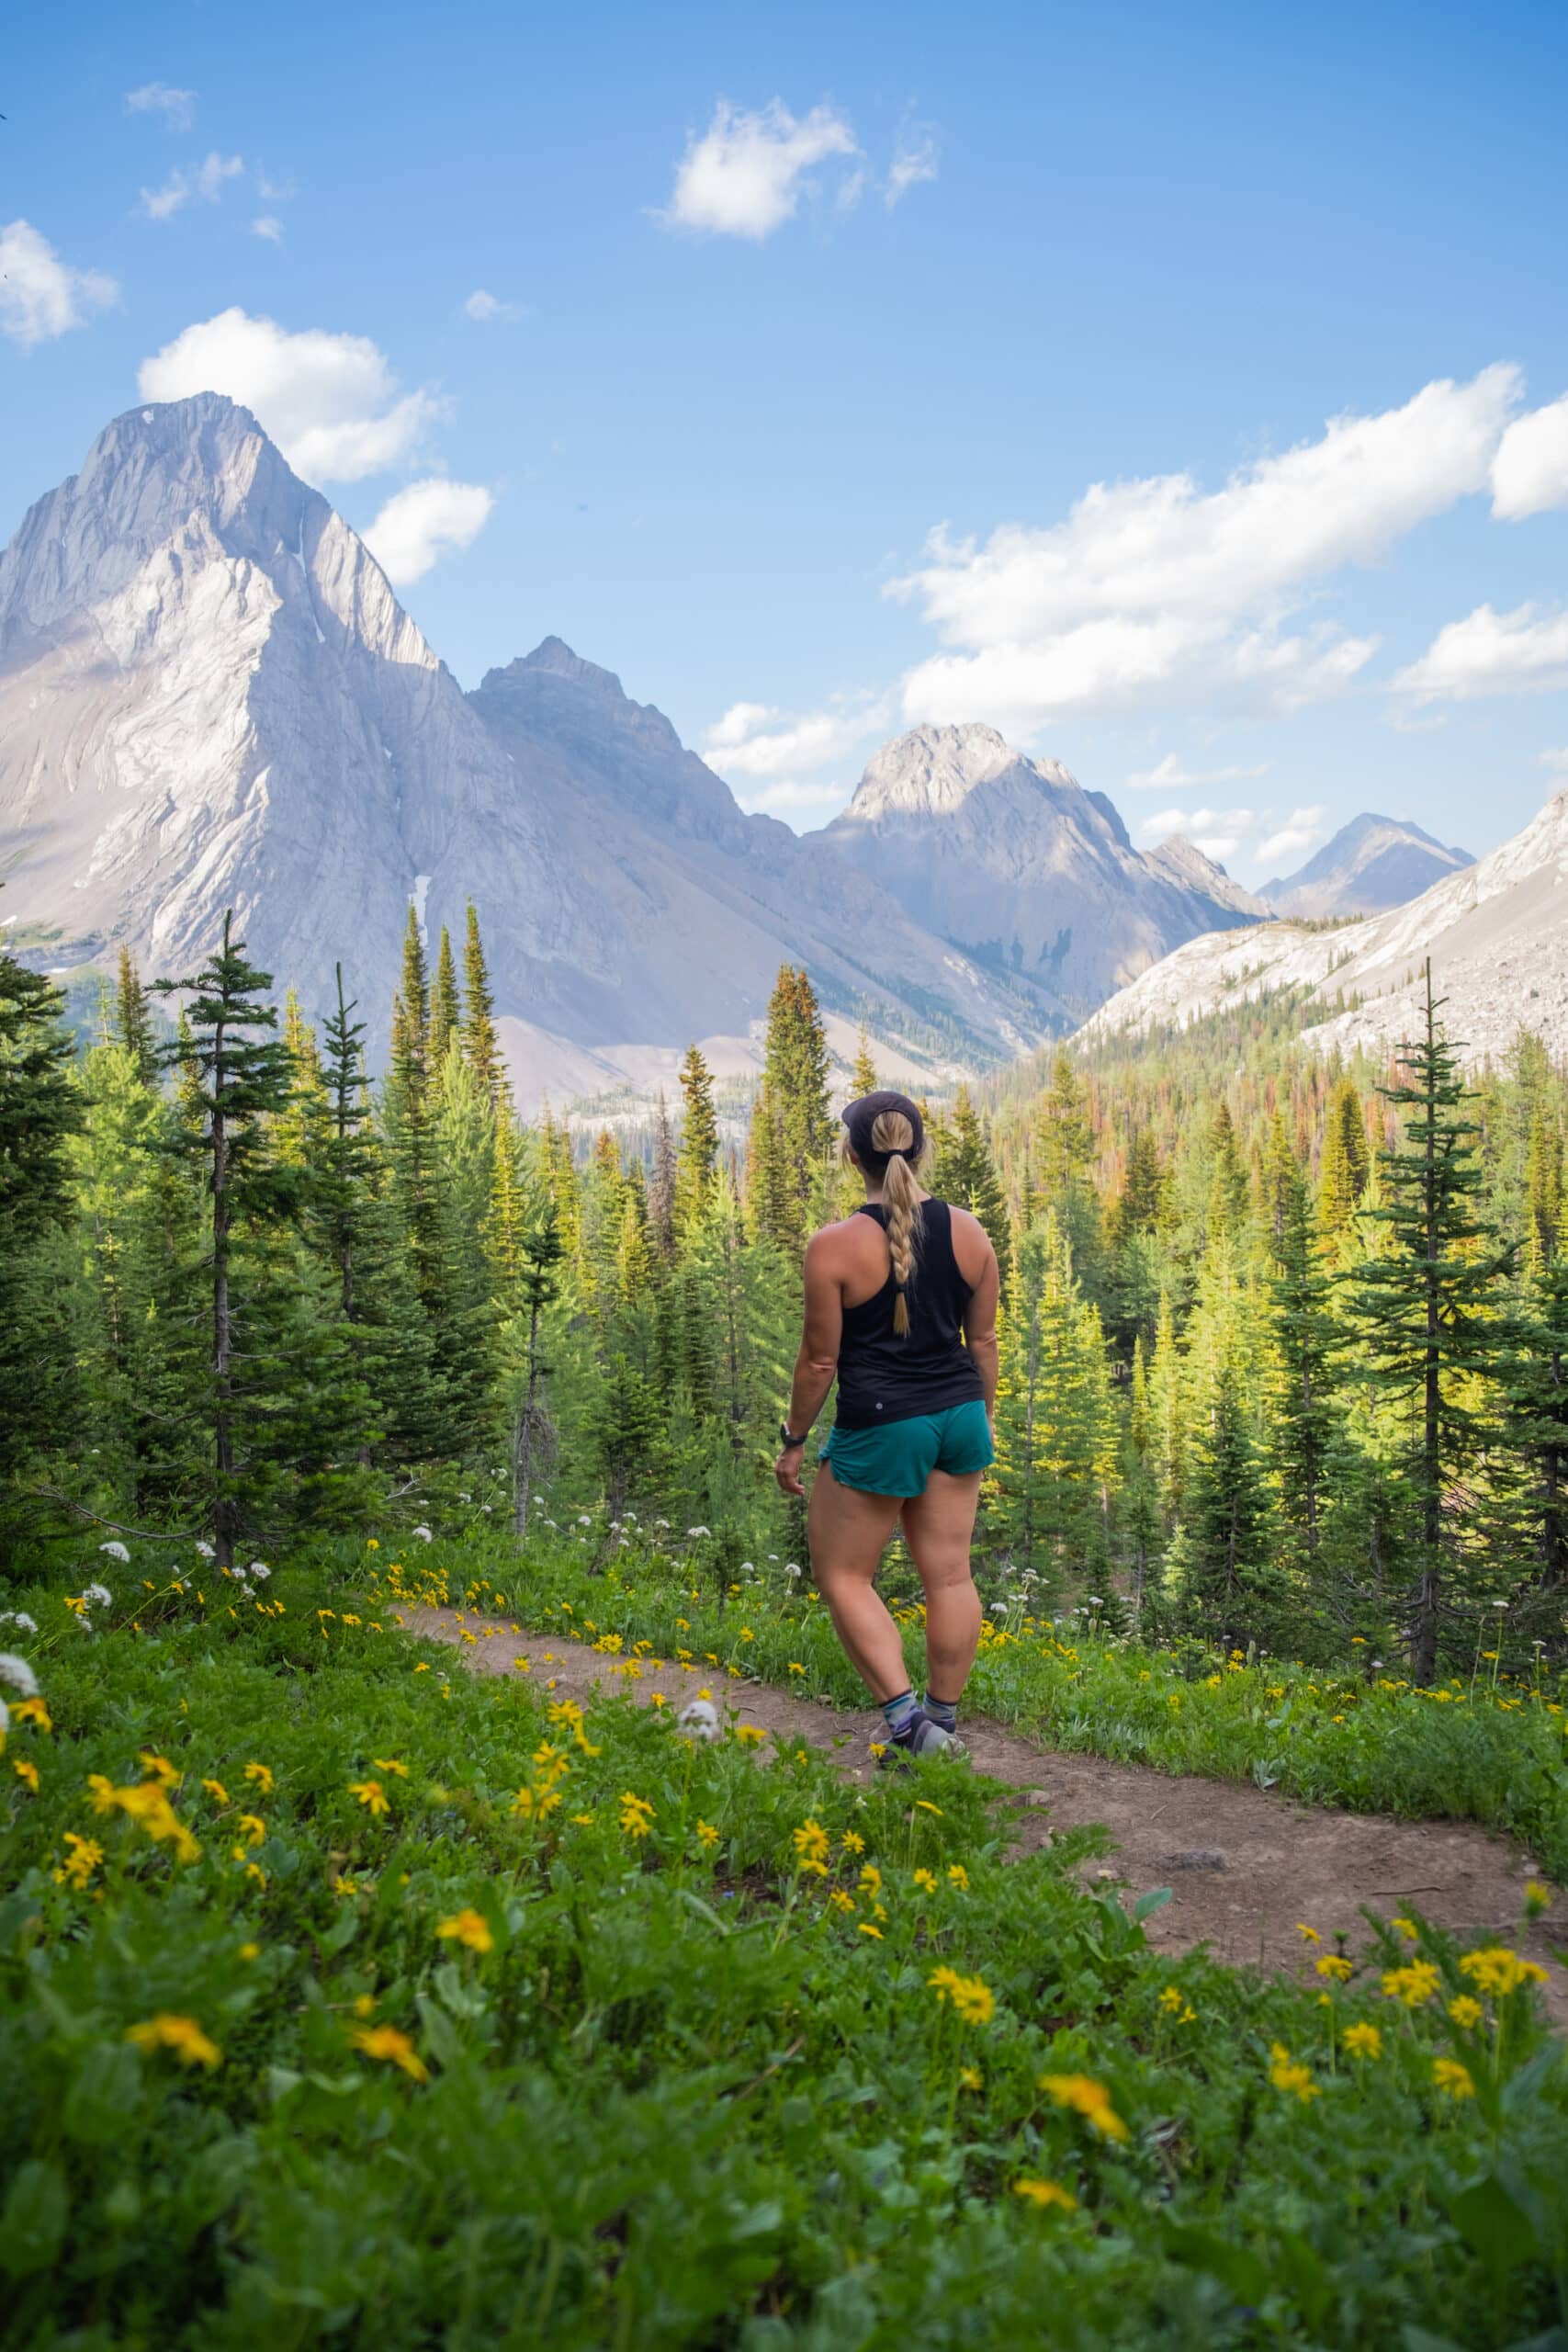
pixel 481 1046
pixel 696 1156
pixel 1064 1171
pixel 788 1168
pixel 1535 1384
pixel 1228 1589
pixel 1424 1306
pixel 965 1174
pixel 1304 1424
pixel 537 1288
pixel 1543 1182
pixel 863 1076
pixel 296 1127
pixel 133 1020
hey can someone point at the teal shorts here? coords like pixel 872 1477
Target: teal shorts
pixel 898 1457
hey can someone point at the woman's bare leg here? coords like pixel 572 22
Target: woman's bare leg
pixel 848 1533
pixel 937 1526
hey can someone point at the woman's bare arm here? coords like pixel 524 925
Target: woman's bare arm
pixel 981 1328
pixel 818 1361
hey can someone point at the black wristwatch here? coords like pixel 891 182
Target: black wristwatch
pixel 788 1438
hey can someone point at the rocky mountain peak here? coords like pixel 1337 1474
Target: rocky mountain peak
pixel 1185 863
pixel 932 770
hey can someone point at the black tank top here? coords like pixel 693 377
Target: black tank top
pixel 886 1377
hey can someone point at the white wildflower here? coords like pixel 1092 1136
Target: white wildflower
pixel 583 1519
pixel 999 1609
pixel 260 1569
pixel 465 1498
pixel 698 1721
pixel 539 1498
pixel 17 1675
pixel 20 1618
pixel 792 1568
pixel 484 1506
pixel 116 1552
pixel 424 1535
pixel 205 1550
pixel 661 1522
pixel 99 1594
pixel 745 1567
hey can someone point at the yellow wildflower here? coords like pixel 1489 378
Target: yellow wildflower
pixel 1363 2040
pixel 1415 1985
pixel 1045 2192
pixel 810 1842
pixel 26 1771
pixel 1089 2098
pixel 250 1951
pixel 958 1876
pixel 971 2078
pixel 254 1870
pixel 253 1829
pixel 371 1794
pixel 262 1776
pixel 926 1882
pixel 182 2035
pixel 391 1764
pixel 852 1842
pixel 32 1710
pixel 865 1928
pixel 1335 1964
pixel 386 2041
pixel 82 1860
pixel 1452 2079
pixel 794 1668
pixel 924 1804
pixel 637 1815
pixel 468 1928
pixel 1499 1972
pixel 1408 1929
pixel 159 1766
pixel 842 1901
pixel 216 1791
pixel 1465 2011
pixel 869 1880
pixel 1288 2073
pixel 1310 1934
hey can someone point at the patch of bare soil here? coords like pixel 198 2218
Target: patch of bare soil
pixel 1242 1864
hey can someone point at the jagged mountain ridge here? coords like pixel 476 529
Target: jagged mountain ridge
pixel 1013 860
pixel 1371 864
pixel 210 696
pixel 1496 932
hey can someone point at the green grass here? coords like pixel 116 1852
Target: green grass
pixel 670 2092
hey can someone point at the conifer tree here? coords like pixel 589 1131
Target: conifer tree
pixel 446 1013
pixel 1229 1590
pixel 661 1185
pixel 481 1046
pixel 133 1029
pixel 298 1124
pixel 788 1168
pixel 39 1110
pixel 696 1157
pixel 966 1173
pixel 1304 1424
pixel 1423 1306
pixel 863 1076
pixel 244 1074
pixel 537 1288
pixel 1346 1159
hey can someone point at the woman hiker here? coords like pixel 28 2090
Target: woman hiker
pixel 901 1306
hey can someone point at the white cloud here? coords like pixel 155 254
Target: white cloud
pixel 1524 651
pixel 419 524
pixel 1303 829
pixel 915 158
pixel 1529 472
pixel 1153 587
pixel 1169 776
pixel 752 739
pixel 41 296
pixel 205 180
pixel 1194 820
pixel 329 401
pixel 745 176
pixel 270 227
pixel 157 97
pixel 482 306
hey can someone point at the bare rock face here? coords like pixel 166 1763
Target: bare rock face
pixel 1372 864
pixel 210 696
pixel 1032 876
pixel 1496 932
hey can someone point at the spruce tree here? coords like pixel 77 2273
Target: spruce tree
pixel 863 1076
pixel 39 1110
pixel 133 1029
pixel 536 1288
pixel 661 1185
pixel 244 1074
pixel 966 1173
pixel 788 1168
pixel 1229 1590
pixel 697 1156
pixel 481 1046
pixel 1424 1305
pixel 1303 1423
pixel 446 1012
pixel 1346 1159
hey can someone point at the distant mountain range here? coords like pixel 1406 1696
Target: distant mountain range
pixel 1497 931
pixel 1371 864
pixel 211 696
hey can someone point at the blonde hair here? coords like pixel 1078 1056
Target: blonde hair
pixel 894 1137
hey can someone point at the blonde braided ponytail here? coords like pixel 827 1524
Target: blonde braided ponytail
pixel 901 1198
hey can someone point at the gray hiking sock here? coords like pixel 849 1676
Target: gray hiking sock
pixel 942 1711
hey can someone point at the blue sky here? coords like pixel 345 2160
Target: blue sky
pixel 775 295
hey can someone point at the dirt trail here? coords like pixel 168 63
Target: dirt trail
pixel 1242 1864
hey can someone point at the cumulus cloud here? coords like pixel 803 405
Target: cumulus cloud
pixel 329 401
pixel 1303 829
pixel 915 158
pixel 419 524
pixel 752 739
pixel 268 226
pixel 1524 651
pixel 746 174
pixel 157 97
pixel 1169 776
pixel 484 306
pixel 1529 472
pixel 1260 835
pixel 1153 586
pixel 41 296
pixel 205 180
